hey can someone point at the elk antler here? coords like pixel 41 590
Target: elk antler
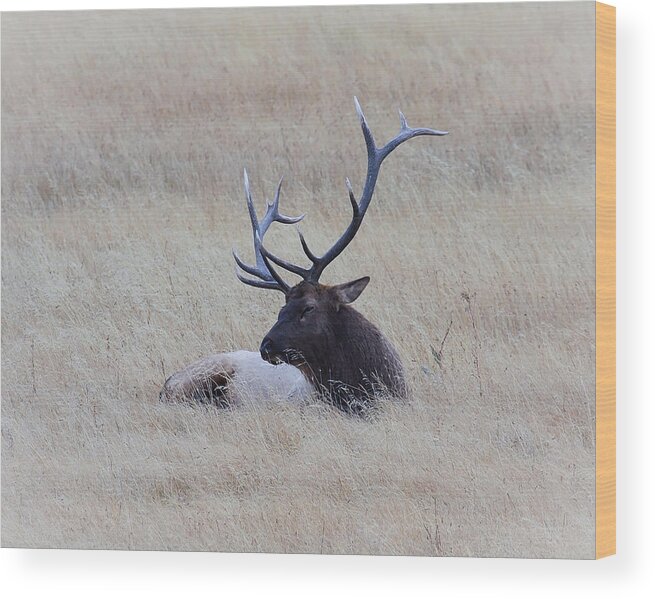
pixel 267 278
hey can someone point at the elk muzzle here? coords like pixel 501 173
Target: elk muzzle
pixel 269 352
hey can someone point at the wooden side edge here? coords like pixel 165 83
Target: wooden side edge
pixel 605 280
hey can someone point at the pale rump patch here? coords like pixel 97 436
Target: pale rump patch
pixel 235 378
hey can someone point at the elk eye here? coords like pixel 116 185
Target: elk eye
pixel 306 311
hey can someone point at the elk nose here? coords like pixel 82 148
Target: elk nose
pixel 266 349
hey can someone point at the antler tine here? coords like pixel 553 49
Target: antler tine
pixel 375 158
pixel 256 282
pixel 263 270
pixel 406 132
pixel 295 269
pixel 351 195
pixel 305 247
pixel 284 286
pixel 366 130
pixel 273 212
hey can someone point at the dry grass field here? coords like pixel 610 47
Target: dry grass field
pixel 124 135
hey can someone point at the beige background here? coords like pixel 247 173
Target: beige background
pixel 123 139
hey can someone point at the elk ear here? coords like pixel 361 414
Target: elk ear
pixel 346 293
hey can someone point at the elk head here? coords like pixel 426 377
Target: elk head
pixel 317 330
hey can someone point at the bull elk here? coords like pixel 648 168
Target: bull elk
pixel 343 358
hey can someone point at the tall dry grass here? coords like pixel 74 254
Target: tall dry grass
pixel 123 138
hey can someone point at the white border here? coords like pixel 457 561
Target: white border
pixel 100 574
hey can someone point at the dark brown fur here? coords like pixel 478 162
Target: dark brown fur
pixel 346 357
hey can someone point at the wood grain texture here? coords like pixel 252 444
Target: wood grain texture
pixel 605 280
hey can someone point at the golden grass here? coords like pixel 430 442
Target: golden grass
pixel 124 135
